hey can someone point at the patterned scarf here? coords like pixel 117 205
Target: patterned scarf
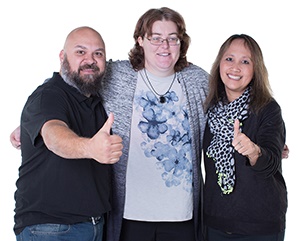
pixel 221 119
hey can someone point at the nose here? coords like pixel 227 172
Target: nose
pixel 90 59
pixel 235 67
pixel 165 43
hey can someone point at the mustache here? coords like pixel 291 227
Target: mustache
pixel 89 66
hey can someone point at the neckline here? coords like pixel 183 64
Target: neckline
pixel 156 79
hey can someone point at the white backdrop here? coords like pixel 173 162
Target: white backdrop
pixel 33 33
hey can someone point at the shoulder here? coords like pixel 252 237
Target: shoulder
pixel 194 74
pixel 195 77
pixel 119 66
pixel 270 115
pixel 272 107
pixel 51 86
pixel 118 72
pixel 119 75
pixel 195 70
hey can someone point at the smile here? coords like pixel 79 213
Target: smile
pixel 234 77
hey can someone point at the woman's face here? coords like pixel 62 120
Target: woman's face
pixel 236 69
pixel 161 59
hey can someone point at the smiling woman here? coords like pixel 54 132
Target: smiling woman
pixel 242 150
pixel 30 55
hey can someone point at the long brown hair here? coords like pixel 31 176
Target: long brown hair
pixel 261 92
pixel 144 27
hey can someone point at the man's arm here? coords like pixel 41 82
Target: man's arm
pixel 61 140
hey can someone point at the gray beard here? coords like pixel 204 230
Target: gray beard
pixel 87 85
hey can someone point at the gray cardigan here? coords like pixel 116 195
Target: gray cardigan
pixel 118 92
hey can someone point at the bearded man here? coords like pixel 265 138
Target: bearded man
pixel 63 189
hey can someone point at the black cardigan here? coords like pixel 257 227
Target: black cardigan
pixel 258 204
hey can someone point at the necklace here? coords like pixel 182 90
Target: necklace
pixel 162 98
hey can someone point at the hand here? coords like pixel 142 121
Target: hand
pixel 104 147
pixel 15 138
pixel 243 145
pixel 285 152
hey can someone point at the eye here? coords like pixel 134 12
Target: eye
pixel 157 39
pixel 229 59
pixel 80 52
pixel 172 40
pixel 99 54
pixel 245 62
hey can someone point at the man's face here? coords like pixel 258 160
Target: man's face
pixel 83 61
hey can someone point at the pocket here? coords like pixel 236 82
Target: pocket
pixel 49 228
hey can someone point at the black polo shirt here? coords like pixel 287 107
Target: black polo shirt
pixel 52 189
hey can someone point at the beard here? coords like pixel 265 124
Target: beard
pixel 87 84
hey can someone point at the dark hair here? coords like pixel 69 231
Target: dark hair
pixel 261 92
pixel 144 27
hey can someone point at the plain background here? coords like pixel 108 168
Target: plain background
pixel 33 33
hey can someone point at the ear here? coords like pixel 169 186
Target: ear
pixel 140 40
pixel 61 56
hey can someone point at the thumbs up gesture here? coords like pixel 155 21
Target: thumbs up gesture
pixel 243 145
pixel 104 147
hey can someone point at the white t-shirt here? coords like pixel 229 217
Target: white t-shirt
pixel 159 170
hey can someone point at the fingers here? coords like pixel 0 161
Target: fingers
pixel 236 132
pixel 106 148
pixel 108 124
pixel 285 152
pixel 112 154
pixel 15 138
pixel 241 142
pixel 236 128
pixel 244 145
pixel 116 153
pixel 116 148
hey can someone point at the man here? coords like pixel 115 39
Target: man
pixel 121 87
pixel 63 188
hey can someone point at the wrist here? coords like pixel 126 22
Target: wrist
pixel 255 155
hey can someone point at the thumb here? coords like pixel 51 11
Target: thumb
pixel 236 128
pixel 108 124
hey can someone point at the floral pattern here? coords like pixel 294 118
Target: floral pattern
pixel 166 135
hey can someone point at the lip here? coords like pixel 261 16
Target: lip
pixel 87 71
pixel 234 77
pixel 164 54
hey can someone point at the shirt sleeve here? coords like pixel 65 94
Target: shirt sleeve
pixel 271 139
pixel 43 105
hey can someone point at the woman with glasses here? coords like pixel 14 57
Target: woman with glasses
pixel 157 98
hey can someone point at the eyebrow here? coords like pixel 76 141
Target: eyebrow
pixel 80 46
pixel 230 54
pixel 83 47
pixel 168 34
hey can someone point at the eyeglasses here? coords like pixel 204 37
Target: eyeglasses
pixel 172 41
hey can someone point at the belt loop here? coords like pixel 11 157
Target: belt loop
pixel 93 220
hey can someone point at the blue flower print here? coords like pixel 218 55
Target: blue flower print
pixel 173 162
pixel 167 137
pixel 174 137
pixel 149 102
pixel 155 124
